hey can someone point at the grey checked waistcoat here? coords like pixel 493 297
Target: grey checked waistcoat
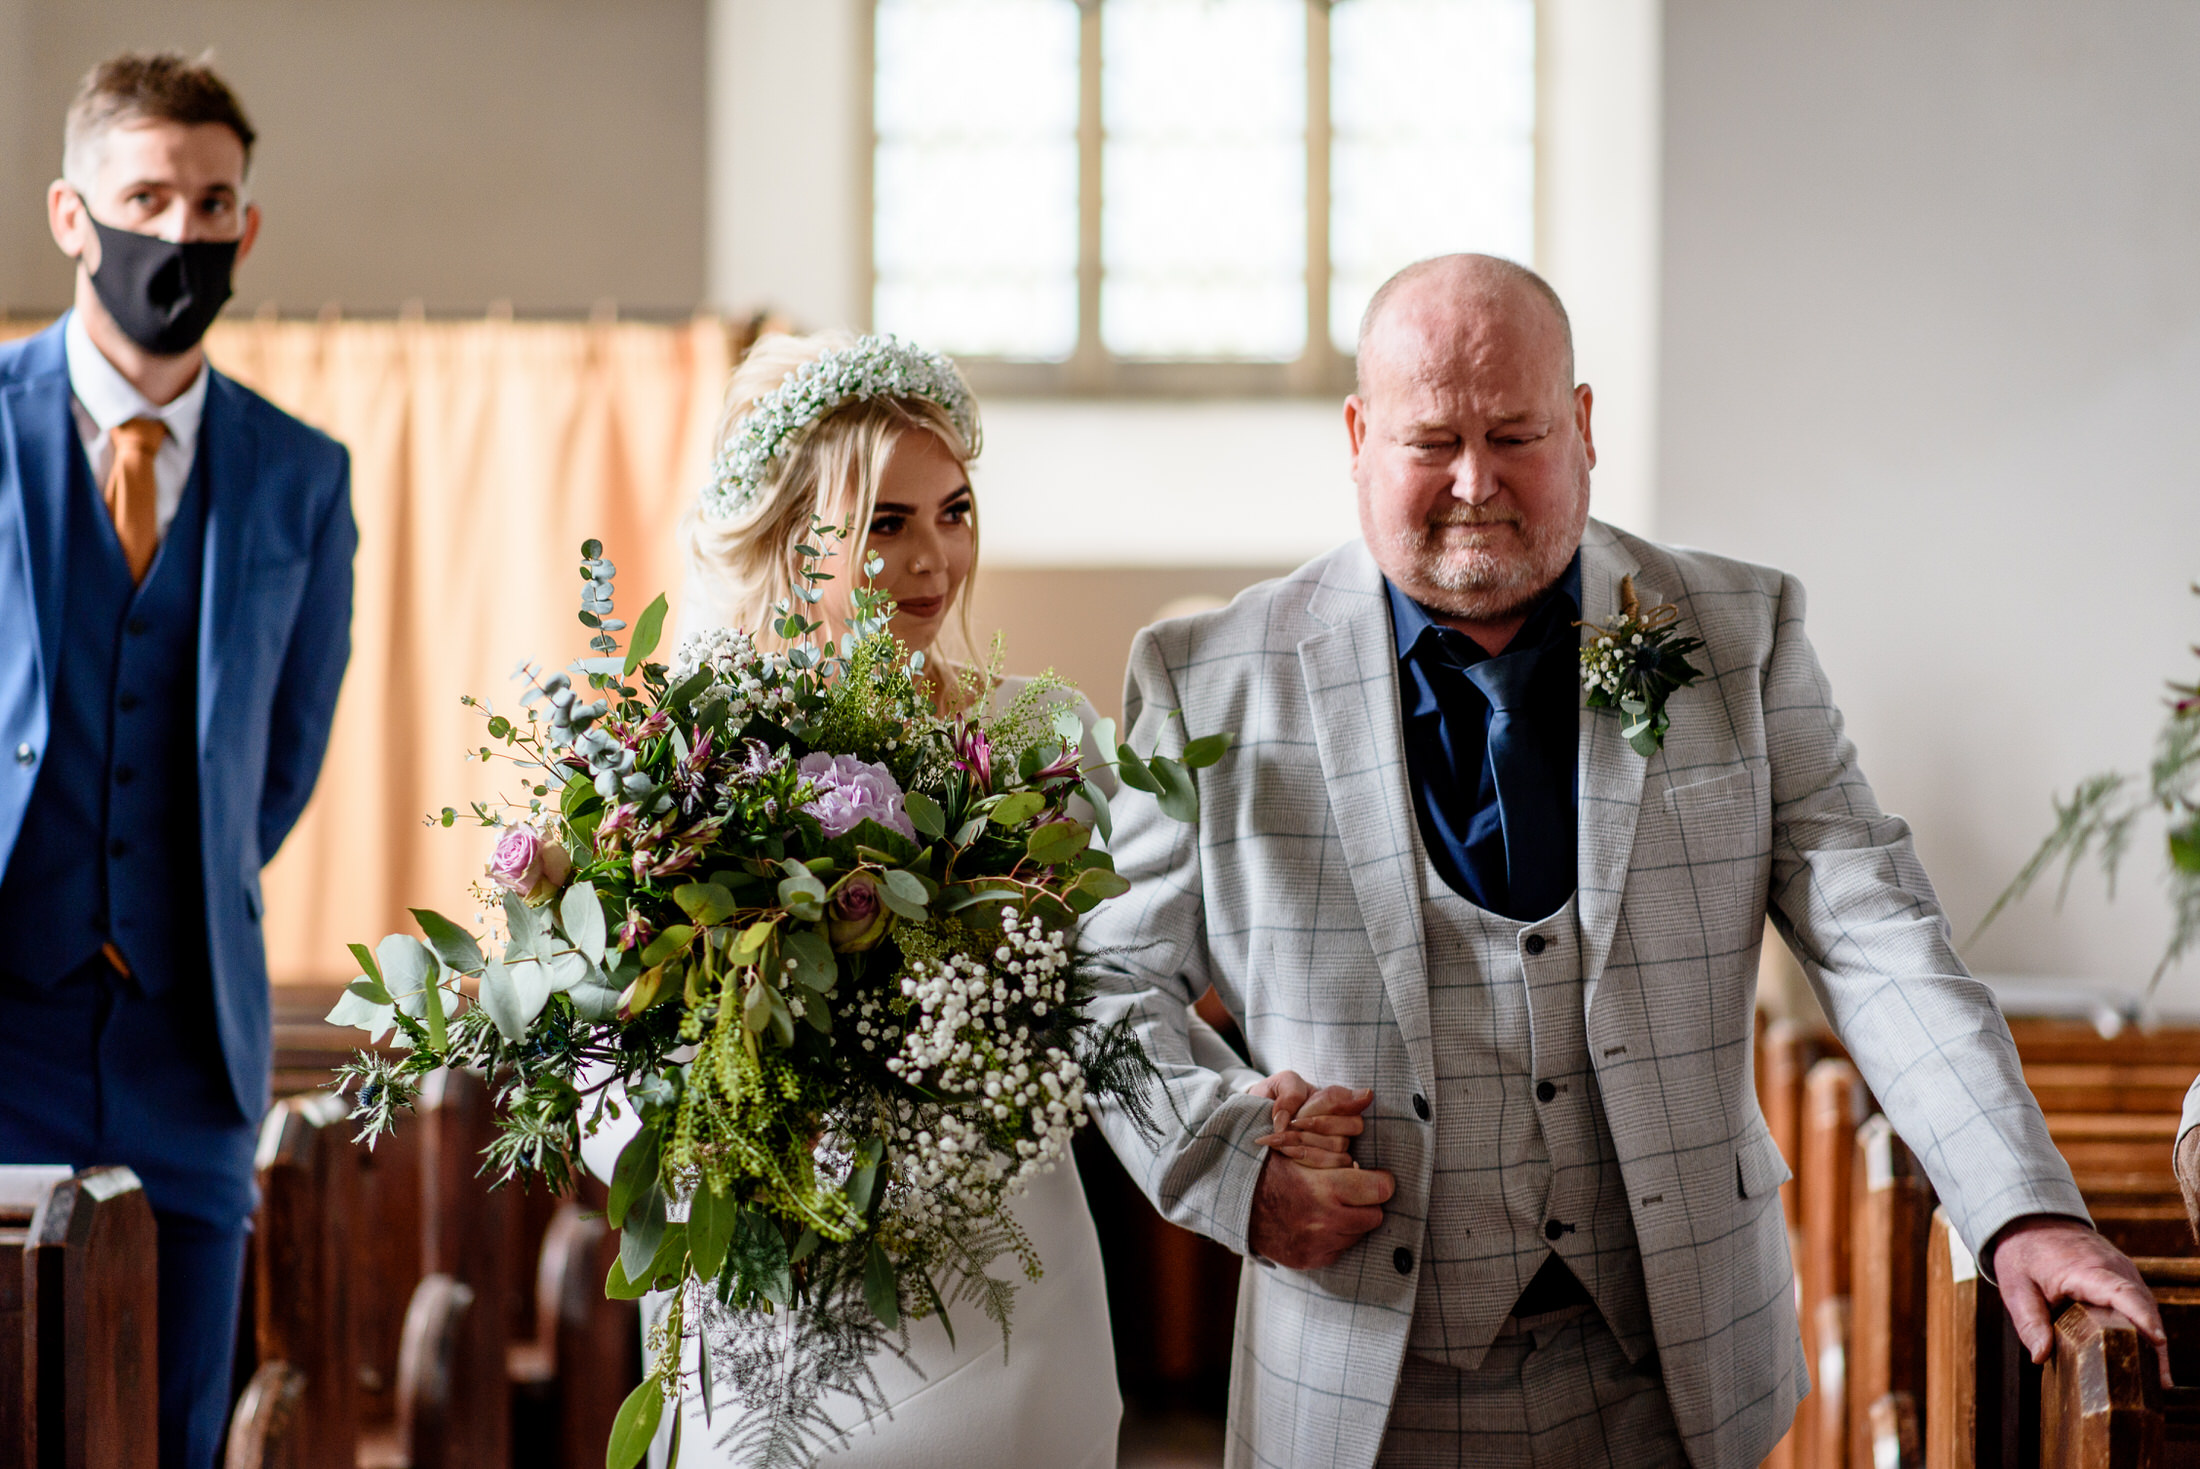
pixel 1522 1149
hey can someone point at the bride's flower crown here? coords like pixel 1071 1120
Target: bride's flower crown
pixel 871 367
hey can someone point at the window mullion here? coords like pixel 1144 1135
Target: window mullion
pixel 1315 368
pixel 1089 365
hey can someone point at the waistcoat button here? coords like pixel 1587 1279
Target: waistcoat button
pixel 25 755
pixel 126 702
pixel 1420 1106
pixel 118 848
pixel 1403 1259
pixel 124 775
pixel 1535 943
pixel 1552 1229
pixel 1544 1091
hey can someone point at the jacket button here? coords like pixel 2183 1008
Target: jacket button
pixel 1552 1229
pixel 1403 1259
pixel 138 625
pixel 124 775
pixel 126 702
pixel 1535 943
pixel 118 848
pixel 25 755
pixel 1544 1091
pixel 1420 1106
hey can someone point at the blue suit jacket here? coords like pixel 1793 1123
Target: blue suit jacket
pixel 274 635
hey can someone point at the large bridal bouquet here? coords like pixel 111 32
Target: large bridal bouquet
pixel 818 936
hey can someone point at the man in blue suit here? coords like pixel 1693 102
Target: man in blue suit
pixel 175 615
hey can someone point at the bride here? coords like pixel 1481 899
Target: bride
pixel 878 435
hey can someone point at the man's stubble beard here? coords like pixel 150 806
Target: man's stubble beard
pixel 1483 583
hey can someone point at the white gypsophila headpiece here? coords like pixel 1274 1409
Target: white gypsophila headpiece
pixel 876 366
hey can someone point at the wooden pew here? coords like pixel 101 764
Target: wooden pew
pixel 570 1377
pixel 1893 1223
pixel 1788 1050
pixel 449 1402
pixel 1833 1108
pixel 78 1255
pixel 300 1410
pixel 2102 1405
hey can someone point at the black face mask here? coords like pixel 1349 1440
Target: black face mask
pixel 164 294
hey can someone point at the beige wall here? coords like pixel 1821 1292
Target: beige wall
pixel 1931 339
pixel 549 153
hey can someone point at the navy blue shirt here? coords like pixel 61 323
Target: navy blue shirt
pixel 1447 720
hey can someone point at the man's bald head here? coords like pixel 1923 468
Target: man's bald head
pixel 1435 297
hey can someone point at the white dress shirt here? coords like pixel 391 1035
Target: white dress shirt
pixel 103 398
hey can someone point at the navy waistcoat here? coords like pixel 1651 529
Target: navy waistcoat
pixel 110 843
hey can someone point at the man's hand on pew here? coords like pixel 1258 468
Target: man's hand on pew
pixel 2042 1260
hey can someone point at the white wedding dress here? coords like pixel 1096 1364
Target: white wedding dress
pixel 1052 1400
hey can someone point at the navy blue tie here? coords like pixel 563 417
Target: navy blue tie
pixel 1534 789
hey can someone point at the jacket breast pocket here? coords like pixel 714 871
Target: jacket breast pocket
pixel 1722 828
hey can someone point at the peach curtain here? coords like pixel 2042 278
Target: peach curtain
pixel 483 454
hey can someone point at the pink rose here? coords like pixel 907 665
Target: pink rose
pixel 526 864
pixel 855 918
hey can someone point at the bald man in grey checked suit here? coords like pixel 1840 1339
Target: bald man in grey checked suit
pixel 1507 1197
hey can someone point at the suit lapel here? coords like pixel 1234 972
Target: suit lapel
pixel 44 434
pixel 1610 773
pixel 1351 674
pixel 228 462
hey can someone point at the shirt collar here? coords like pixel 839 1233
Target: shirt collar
pixel 1409 620
pixel 109 398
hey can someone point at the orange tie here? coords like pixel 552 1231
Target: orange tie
pixel 133 493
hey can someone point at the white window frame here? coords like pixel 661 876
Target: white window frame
pixel 1091 370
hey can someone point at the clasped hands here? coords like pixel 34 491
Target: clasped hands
pixel 1313 1201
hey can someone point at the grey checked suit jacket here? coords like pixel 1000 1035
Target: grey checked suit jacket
pixel 1297 896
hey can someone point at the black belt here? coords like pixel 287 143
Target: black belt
pixel 1554 1288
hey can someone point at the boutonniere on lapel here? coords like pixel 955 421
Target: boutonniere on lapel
pixel 1635 664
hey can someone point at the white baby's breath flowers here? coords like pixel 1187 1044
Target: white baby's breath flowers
pixel 961 1037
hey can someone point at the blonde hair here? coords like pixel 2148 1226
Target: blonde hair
pixel 739 566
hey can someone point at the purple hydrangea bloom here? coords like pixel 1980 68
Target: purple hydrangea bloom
pixel 851 792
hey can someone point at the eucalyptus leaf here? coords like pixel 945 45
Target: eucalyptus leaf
pixel 582 915
pixel 371 971
pixel 635 1426
pixel 647 628
pixel 1057 842
pixel 904 892
pixel 1207 750
pixel 1103 816
pixel 632 1175
pixel 711 1218
pixel 1179 797
pixel 1134 772
pixel 672 941
pixel 452 944
pixel 1015 810
pixel 567 969
pixel 642 1233
pixel 355 1009
pixel 814 966
pixel 1103 734
pixel 706 902
pixel 528 926
pixel 1067 724
pixel 924 814
pixel 500 996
